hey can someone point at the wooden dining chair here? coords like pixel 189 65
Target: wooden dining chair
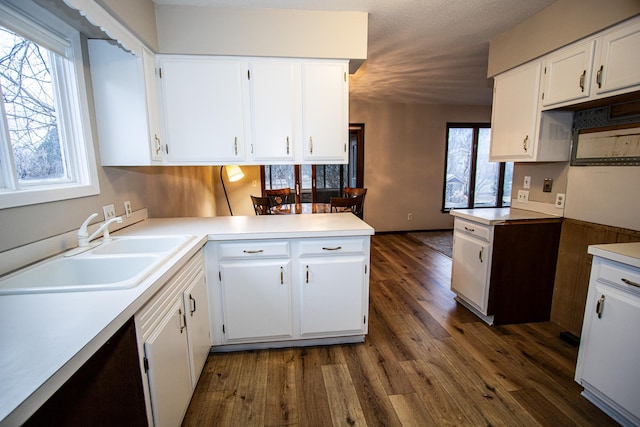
pixel 261 205
pixel 281 196
pixel 354 191
pixel 346 204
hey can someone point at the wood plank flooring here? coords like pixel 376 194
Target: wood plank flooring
pixel 426 361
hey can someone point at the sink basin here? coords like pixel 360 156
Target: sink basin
pixel 81 273
pixel 141 244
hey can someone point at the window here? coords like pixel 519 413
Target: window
pixel 471 181
pixel 316 183
pixel 46 147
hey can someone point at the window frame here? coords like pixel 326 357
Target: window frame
pixel 74 123
pixel 472 170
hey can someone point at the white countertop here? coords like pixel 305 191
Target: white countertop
pixel 45 338
pixel 492 216
pixel 626 253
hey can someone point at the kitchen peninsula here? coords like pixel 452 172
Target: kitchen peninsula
pixel 47 337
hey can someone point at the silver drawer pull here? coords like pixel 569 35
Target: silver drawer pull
pixel 480 254
pixel 629 282
pixel 335 248
pixel 600 306
pixel 282 275
pixel 256 251
pixel 469 229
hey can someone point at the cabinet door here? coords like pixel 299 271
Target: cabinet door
pixel 274 95
pixel 470 270
pixel 610 347
pixel 567 75
pixel 169 376
pixel 203 110
pixel 515 114
pixel 256 300
pixel 121 108
pixel 196 305
pixel 334 294
pixel 153 104
pixel 325 90
pixel 619 65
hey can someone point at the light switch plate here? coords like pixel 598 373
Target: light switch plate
pixel 109 212
pixel 527 182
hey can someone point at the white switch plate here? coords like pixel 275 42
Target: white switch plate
pixel 527 182
pixel 109 212
pixel 127 208
pixel 523 196
pixel 560 200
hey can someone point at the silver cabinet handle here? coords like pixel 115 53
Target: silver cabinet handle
pixel 480 254
pixel 287 145
pixel 158 144
pixel 584 73
pixel 310 145
pixel 525 143
pixel 255 251
pixel 599 76
pixel 282 275
pixel 183 320
pixel 307 279
pixel 629 282
pixel 193 304
pixel 335 248
pixel 600 306
pixel 235 145
pixel 469 229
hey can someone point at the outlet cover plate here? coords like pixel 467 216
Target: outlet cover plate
pixel 109 212
pixel 560 200
pixel 523 196
pixel 127 208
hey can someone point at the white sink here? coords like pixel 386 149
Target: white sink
pixel 120 263
pixel 141 244
pixel 81 273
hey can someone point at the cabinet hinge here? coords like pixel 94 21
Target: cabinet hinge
pixel 543 95
pixel 160 72
pixel 345 148
pixel 345 76
pixel 545 70
pixel 223 329
pixel 220 276
pixel 365 269
pixel 166 148
pixel 365 319
pixel 145 362
pixel 248 74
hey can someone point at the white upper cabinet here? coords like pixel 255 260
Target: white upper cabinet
pixel 520 132
pixel 126 104
pixel 203 100
pixel 619 60
pixel 325 108
pixel 567 74
pixel 274 103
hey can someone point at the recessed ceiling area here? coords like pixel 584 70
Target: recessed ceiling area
pixel 419 51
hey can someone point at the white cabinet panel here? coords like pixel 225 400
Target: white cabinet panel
pixel 470 268
pixel 333 296
pixel 325 120
pixel 619 65
pixel 256 297
pixel 567 74
pixel 169 374
pixel 204 110
pixel 196 308
pixel 275 98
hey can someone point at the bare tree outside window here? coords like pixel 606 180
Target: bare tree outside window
pixel 29 104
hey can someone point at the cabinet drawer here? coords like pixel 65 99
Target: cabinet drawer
pixel 332 246
pixel 253 249
pixel 620 276
pixel 473 228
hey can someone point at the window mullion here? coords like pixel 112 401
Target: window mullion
pixel 474 163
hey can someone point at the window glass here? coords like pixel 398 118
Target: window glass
pixel 30 110
pixel 471 180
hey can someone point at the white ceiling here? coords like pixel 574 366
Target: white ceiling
pixel 419 51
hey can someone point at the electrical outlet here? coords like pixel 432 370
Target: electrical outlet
pixel 560 200
pixel 527 182
pixel 127 208
pixel 109 212
pixel 410 217
pixel 523 196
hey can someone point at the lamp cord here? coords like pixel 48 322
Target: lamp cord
pixel 225 191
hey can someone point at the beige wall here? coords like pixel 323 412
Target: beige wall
pixel 538 173
pixel 555 26
pixel 138 15
pixel 404 161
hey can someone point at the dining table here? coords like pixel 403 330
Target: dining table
pixel 301 208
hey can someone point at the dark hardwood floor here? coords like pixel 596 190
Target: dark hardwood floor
pixel 426 361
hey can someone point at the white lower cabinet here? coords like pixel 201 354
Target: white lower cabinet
pixel 173 331
pixel 609 345
pixel 283 291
